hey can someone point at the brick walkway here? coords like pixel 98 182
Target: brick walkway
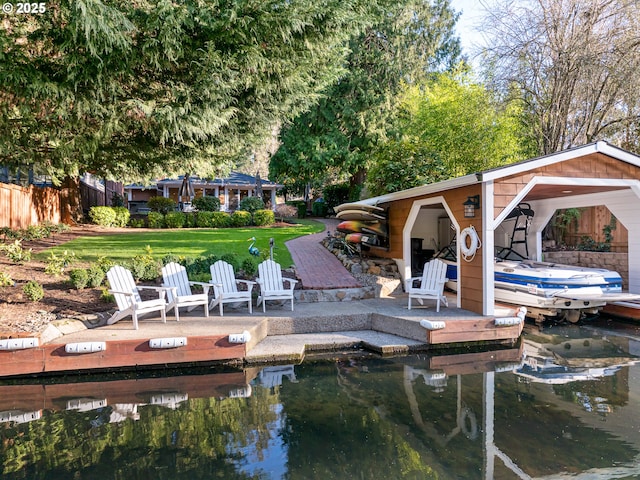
pixel 317 268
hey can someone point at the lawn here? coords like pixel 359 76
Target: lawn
pixel 188 242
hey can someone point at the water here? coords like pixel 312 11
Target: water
pixel 565 404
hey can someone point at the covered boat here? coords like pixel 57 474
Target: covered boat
pixel 548 290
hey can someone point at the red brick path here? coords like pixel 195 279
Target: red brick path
pixel 317 268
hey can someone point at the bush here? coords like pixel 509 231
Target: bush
pixel 249 266
pixel 57 263
pixel 200 265
pixel 189 219
pixel 15 252
pixel 161 205
pixel 284 210
pixel 264 217
pixel 79 278
pixel 144 267
pixel 301 207
pixel 33 291
pixel 136 222
pixel 232 259
pixel 104 263
pixel 174 220
pixel 95 276
pixel 204 219
pixel 6 280
pixel 319 209
pixel 251 204
pixel 207 204
pixel 103 216
pixel 155 220
pixel 341 193
pixel 122 216
pixel 240 218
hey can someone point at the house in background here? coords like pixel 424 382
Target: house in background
pixel 230 191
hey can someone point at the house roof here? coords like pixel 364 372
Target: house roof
pixel 235 179
pixel 508 170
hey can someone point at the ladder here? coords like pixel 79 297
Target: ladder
pixel 522 215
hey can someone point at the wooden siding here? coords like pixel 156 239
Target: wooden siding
pixel 24 206
pixel 398 211
pixel 596 165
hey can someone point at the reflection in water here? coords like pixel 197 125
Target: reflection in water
pixel 567 403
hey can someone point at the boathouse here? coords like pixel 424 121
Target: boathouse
pixel 423 219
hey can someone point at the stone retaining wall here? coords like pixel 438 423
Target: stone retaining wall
pixel 609 260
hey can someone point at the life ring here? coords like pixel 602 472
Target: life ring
pixel 469 251
pixel 469 424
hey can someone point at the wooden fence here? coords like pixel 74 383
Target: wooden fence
pixel 24 206
pixel 591 224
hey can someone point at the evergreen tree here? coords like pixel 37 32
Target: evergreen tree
pixel 130 89
pixel 411 39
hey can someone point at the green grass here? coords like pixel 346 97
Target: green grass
pixel 188 242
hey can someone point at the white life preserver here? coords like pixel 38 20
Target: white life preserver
pixel 469 251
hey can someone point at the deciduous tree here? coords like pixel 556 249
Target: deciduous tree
pixel 574 64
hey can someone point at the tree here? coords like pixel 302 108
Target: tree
pixel 334 139
pixel 573 63
pixel 133 89
pixel 449 127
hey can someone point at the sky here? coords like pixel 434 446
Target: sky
pixel 471 13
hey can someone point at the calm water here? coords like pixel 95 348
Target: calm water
pixel 565 404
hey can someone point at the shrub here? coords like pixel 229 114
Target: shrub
pixel 136 222
pixel 207 204
pixel 337 194
pixel 161 205
pixel 95 276
pixel 264 217
pixel 189 219
pixel 103 216
pixel 221 220
pixel 34 232
pixel 213 219
pixel 240 218
pixel 251 204
pixel 319 209
pixel 300 206
pixel 284 210
pixel 106 296
pixel 231 259
pixel 249 266
pixel 155 220
pixel 200 265
pixel 144 267
pixel 204 219
pixel 6 280
pixel 104 263
pixel 57 263
pixel 174 220
pixel 122 216
pixel 33 291
pixel 15 252
pixel 79 278
pixel 171 257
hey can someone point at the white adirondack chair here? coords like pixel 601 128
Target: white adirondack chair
pixel 126 293
pixel 225 286
pixel 431 287
pixel 272 284
pixel 179 295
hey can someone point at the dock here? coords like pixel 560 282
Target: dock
pixel 381 325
